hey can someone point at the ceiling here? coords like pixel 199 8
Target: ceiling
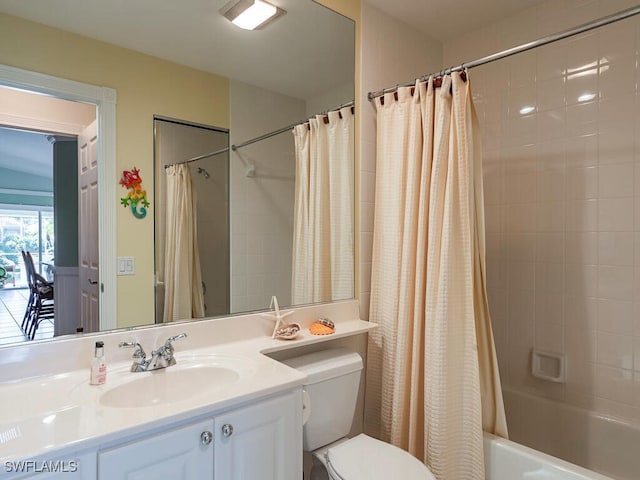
pixel 26 152
pixel 307 43
pixel 444 19
pixel 303 42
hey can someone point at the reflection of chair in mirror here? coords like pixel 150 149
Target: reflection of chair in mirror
pixel 40 304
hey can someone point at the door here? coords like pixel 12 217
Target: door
pixel 88 229
pixel 185 453
pixel 262 441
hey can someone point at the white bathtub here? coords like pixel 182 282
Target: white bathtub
pixel 506 460
pixel 582 437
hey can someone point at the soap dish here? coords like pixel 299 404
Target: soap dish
pixel 322 326
pixel 288 331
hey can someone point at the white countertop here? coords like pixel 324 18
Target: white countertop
pixel 55 414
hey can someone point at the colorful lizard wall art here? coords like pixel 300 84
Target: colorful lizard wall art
pixel 137 197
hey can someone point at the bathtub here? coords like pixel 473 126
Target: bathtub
pixel 596 442
pixel 507 460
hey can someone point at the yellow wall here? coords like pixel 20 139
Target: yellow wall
pixel 145 86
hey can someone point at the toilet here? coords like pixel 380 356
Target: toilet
pixel 329 402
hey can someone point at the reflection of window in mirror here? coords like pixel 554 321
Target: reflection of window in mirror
pixel 189 77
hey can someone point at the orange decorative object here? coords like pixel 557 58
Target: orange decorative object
pixel 320 328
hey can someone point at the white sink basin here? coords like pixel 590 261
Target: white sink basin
pixel 169 385
pixel 190 379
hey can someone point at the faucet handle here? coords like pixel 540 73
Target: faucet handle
pixel 170 340
pixel 139 353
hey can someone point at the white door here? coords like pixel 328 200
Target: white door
pixel 261 441
pixel 88 229
pixel 185 453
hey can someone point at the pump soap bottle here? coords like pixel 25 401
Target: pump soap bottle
pixel 98 366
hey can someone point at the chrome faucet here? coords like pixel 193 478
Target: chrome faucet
pixel 160 358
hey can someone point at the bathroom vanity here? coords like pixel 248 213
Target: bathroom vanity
pixel 225 410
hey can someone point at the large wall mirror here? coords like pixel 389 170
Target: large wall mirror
pixel 180 68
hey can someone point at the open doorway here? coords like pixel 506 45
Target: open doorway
pixel 39 209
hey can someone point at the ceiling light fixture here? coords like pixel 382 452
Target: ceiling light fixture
pixel 251 14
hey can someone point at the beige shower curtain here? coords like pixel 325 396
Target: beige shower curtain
pixel 323 257
pixel 183 296
pixel 432 374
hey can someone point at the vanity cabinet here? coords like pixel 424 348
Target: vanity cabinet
pixel 184 453
pixel 262 440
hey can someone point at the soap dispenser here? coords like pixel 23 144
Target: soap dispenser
pixel 98 366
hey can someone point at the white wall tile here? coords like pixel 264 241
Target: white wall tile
pixel 615 214
pixel 614 350
pixel 550 93
pixel 617 79
pixel 581 313
pixel 568 259
pixel 615 316
pixel 581 247
pixel 616 180
pixel 616 248
pixel 614 384
pixel 579 85
pixel 581 183
pixel 615 282
pixel 582 117
pixel 581 150
pixel 582 216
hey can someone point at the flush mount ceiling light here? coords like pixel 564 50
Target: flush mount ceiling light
pixel 251 14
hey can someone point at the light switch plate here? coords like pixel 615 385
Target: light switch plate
pixel 126 266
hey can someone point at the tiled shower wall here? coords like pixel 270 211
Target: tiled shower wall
pixel 561 140
pixel 261 204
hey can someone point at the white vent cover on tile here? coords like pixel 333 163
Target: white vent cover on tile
pixel 548 366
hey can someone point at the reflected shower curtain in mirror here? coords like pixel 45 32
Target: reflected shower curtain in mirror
pixel 432 374
pixel 183 280
pixel 323 257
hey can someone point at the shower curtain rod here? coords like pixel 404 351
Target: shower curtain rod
pixel 256 139
pixel 287 128
pixel 199 157
pixel 615 17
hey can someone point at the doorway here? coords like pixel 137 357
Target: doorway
pixel 40 161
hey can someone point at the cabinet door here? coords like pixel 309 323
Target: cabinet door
pixel 184 453
pixel 261 441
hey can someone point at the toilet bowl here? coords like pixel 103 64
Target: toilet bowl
pixel 330 395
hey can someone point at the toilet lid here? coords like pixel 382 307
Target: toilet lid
pixel 365 458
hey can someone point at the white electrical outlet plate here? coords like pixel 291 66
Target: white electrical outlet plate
pixel 126 266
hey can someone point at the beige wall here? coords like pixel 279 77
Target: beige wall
pixel 562 195
pixel 145 86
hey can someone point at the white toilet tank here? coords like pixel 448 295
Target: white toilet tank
pixel 331 392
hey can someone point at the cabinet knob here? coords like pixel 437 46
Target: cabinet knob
pixel 227 430
pixel 206 437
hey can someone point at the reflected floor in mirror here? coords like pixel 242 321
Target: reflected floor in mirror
pixel 13 303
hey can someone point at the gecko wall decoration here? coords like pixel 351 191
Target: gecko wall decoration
pixel 137 197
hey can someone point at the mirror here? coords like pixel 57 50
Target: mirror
pixel 211 73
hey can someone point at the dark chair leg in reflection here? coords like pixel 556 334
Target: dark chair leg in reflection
pixel 40 305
